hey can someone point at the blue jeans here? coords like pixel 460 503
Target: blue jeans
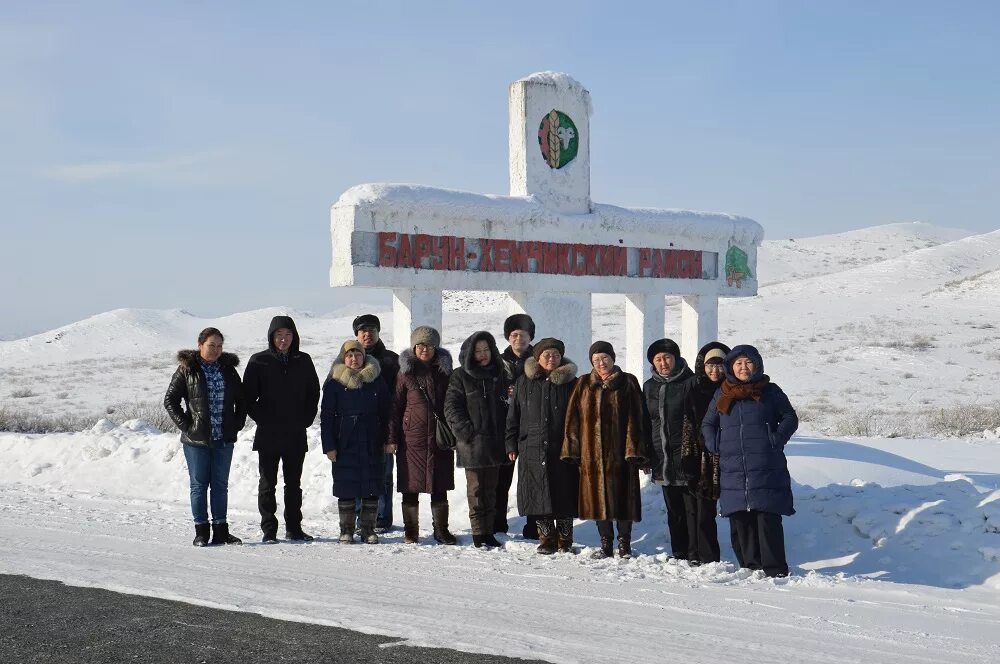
pixel 384 518
pixel 209 467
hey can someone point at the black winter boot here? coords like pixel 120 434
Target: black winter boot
pixel 477 541
pixel 202 532
pixel 530 530
pixel 624 539
pixel 546 536
pixel 439 512
pixel 490 540
pixel 411 523
pixel 606 530
pixel 220 534
pixel 298 535
pixel 369 512
pixel 564 530
pixel 345 509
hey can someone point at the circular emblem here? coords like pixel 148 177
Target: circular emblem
pixel 558 139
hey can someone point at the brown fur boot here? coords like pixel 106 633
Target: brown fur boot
pixel 411 523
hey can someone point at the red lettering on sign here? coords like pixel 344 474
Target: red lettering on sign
pixel 579 260
pixel 405 252
pixel 519 257
pixel 486 255
pixel 386 252
pixel 423 250
pixel 696 268
pixel 550 258
pixel 562 261
pixel 535 254
pixel 645 261
pixel 457 253
pixel 439 253
pixel 621 262
pixel 503 262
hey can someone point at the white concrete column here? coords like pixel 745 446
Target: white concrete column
pixel 565 316
pixel 699 324
pixel 411 308
pixel 644 324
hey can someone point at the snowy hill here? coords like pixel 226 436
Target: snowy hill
pixel 785 260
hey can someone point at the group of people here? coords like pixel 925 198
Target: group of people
pixel 712 437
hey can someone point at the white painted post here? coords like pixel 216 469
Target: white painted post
pixel 530 100
pixel 644 324
pixel 564 316
pixel 411 308
pixel 699 324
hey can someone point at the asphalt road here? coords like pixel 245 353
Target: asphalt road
pixel 47 621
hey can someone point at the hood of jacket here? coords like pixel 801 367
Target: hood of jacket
pixel 277 323
pixel 699 364
pixel 191 359
pixel 467 355
pixel 565 372
pixel 753 354
pixel 408 362
pixel 352 379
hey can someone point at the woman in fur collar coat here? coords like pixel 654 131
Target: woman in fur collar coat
pixel 547 487
pixel 607 434
pixel 353 428
pixel 476 409
pixel 421 466
pixel 207 381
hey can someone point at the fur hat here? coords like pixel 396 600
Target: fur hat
pixel 601 347
pixel 367 320
pixel 350 344
pixel 668 346
pixel 518 322
pixel 546 344
pixel 425 334
pixel 715 356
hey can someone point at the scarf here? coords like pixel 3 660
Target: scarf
pixel 673 375
pixel 738 391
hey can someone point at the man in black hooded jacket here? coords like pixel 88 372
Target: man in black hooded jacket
pixel 282 395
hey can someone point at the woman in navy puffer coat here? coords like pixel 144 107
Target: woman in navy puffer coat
pixel 748 424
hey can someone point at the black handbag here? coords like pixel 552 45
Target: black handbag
pixel 443 436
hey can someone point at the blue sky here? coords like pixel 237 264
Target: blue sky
pixel 185 154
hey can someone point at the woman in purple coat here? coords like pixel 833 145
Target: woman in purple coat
pixel 422 467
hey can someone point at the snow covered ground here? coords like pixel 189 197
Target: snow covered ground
pixel 895 548
pixel 895 552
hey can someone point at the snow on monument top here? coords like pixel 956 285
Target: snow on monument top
pixel 562 82
pixel 406 201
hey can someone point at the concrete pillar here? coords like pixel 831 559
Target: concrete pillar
pixel 411 308
pixel 565 316
pixel 564 187
pixel 644 324
pixel 699 324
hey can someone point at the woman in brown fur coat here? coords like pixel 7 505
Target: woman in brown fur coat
pixel 606 433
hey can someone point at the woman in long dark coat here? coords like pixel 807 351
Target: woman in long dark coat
pixel 475 407
pixel 421 466
pixel 547 487
pixel 701 465
pixel 207 381
pixel 607 434
pixel 353 426
pixel 748 424
pixel 664 392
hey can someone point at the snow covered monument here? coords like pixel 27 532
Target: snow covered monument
pixel 547 243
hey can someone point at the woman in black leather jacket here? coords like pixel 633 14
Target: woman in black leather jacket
pixel 207 381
